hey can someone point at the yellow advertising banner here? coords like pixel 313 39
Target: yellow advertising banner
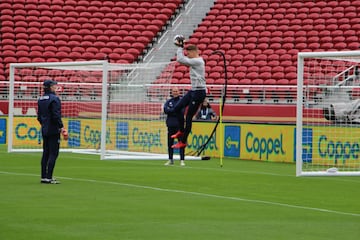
pixel 27 132
pixel 139 136
pixel 243 141
pixel 266 142
pixel 199 135
pixel 127 135
pixel 321 145
pixel 339 146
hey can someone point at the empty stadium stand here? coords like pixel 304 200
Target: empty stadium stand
pixel 69 30
pixel 260 39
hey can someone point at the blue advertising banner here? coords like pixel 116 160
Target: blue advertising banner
pixel 232 141
pixel 2 131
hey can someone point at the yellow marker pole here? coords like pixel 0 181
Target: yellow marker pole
pixel 221 137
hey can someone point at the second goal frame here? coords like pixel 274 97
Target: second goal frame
pixel 327 121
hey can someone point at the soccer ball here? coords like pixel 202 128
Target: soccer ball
pixel 179 40
pixel 332 170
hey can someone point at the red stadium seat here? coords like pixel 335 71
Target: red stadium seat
pixel 119 50
pixel 124 45
pixel 130 38
pixel 75 55
pixel 76 37
pixel 24 48
pixel 88 55
pixel 100 55
pixel 353 45
pixel 10 47
pixel 133 51
pixel 8 53
pixel 78 49
pixel 262 28
pixel 115 38
pixel 106 50
pixel 128 57
pixel 102 38
pixel 21 36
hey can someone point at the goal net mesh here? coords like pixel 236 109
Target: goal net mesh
pixel 110 109
pixel 328 114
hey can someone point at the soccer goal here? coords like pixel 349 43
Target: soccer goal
pixel 328 114
pixel 114 110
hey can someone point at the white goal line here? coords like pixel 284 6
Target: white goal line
pixel 115 155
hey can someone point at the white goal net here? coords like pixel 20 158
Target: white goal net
pixel 114 110
pixel 328 114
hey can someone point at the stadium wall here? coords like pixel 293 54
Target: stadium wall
pixel 266 113
pixel 243 141
pixel 246 141
pixel 249 141
pixel 262 132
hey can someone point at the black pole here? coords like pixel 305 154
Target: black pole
pixel 223 96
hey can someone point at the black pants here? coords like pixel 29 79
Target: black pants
pixel 171 131
pixel 51 145
pixel 192 99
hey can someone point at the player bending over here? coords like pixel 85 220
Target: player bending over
pixel 194 97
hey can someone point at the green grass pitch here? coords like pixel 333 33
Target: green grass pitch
pixel 107 200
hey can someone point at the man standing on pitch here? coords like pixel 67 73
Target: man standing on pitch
pixel 172 124
pixel 49 116
pixel 194 97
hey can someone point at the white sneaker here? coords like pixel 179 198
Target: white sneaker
pixel 49 181
pixel 182 163
pixel 169 163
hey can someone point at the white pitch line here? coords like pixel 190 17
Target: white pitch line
pixel 337 179
pixel 195 194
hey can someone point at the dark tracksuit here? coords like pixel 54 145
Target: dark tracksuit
pixel 193 99
pixel 49 116
pixel 172 124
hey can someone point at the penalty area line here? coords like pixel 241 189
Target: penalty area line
pixel 195 194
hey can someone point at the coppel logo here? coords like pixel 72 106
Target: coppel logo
pixel 25 132
pixel 338 150
pixel 92 136
pixel 146 140
pixel 122 135
pixel 196 141
pixel 2 131
pixel 74 133
pixel 264 147
pixel 232 141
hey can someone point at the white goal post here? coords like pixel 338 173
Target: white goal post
pixel 328 114
pixel 114 110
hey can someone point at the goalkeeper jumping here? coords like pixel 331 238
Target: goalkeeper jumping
pixel 194 97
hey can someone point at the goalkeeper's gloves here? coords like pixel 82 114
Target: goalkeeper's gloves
pixel 179 41
pixel 65 134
